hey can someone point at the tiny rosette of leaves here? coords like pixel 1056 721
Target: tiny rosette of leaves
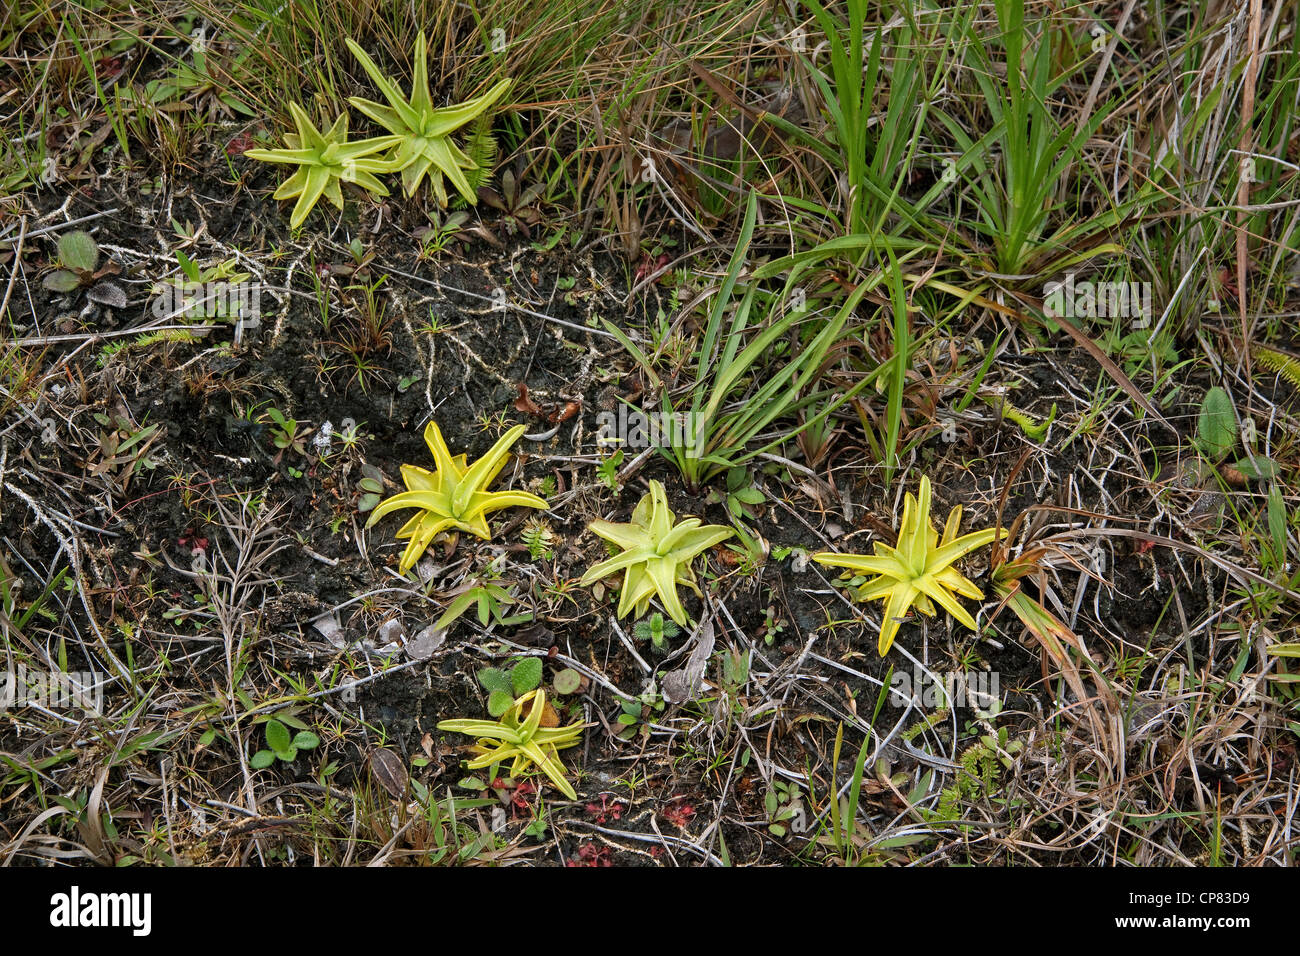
pixel 424 131
pixel 656 630
pixel 504 686
pixel 523 740
pixel 919 571
pixel 455 495
pixel 325 160
pixel 280 745
pixel 79 257
pixel 489 597
pixel 656 554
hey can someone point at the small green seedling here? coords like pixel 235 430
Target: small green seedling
pixel 490 598
pixel 286 433
pixel 79 267
pixel 636 715
pixel 607 470
pixel 124 447
pixel 741 497
pixel 785 809
pixel 192 82
pixel 371 487
pixel 656 630
pixel 772 625
pixel 190 291
pixel 281 746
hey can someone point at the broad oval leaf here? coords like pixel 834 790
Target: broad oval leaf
pixel 61 280
pixel 388 769
pixel 526 675
pixel 277 736
pixel 500 701
pixel 78 250
pixel 1216 427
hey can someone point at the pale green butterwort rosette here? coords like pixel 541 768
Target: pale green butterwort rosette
pixel 520 739
pixel 656 554
pixel 325 160
pixel 423 130
pixel 453 496
pixel 919 570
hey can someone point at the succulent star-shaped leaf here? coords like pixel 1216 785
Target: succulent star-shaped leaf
pixel 325 160
pixel 424 130
pixel 656 556
pixel 919 571
pixel 521 739
pixel 455 495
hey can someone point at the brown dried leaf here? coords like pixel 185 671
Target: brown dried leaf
pixel 525 404
pixel 389 771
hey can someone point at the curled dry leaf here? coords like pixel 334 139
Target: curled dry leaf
pixel 525 404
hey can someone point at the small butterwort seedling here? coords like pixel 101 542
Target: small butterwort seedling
pixel 287 434
pixel 370 488
pixel 79 268
pixel 491 601
pixel 919 571
pixel 325 160
pixel 421 131
pixel 656 555
pixel 453 496
pixel 608 468
pixel 281 746
pixel 656 630
pixel 636 714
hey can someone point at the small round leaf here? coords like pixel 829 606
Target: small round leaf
pixel 1216 427
pixel 494 679
pixel 568 681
